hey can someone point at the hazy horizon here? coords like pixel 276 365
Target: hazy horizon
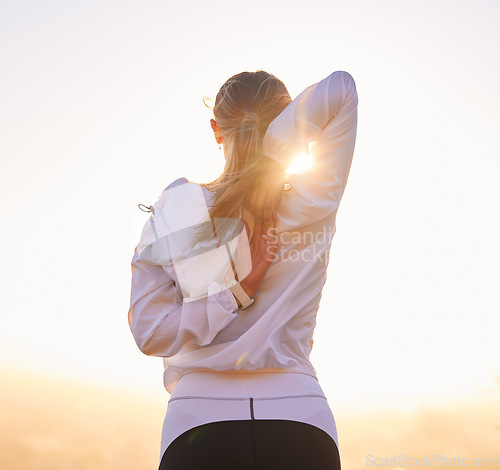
pixel 58 423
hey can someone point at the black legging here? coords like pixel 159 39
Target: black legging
pixel 252 445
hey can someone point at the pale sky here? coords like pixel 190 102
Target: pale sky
pixel 102 107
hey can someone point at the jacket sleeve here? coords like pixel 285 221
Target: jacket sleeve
pixel 162 323
pixel 321 122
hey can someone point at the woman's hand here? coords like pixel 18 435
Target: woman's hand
pixel 263 250
pixel 262 202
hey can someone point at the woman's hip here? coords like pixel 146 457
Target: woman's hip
pixel 203 399
pixel 252 445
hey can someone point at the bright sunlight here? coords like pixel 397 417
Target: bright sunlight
pixel 301 163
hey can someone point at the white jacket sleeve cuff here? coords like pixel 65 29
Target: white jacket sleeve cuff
pixel 219 318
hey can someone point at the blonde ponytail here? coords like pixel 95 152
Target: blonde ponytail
pixel 244 107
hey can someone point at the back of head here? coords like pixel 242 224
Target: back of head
pixel 244 107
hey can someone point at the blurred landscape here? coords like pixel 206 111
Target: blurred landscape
pixel 61 424
pixel 57 424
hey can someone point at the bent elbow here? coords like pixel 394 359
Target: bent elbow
pixel 158 346
pixel 145 347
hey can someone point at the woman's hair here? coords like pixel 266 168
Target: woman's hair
pixel 244 107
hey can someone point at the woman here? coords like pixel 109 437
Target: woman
pixel 232 308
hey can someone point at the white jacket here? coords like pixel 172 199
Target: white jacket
pixel 188 316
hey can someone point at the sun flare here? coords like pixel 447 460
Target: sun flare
pixel 300 163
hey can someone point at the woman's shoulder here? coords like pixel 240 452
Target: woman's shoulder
pixel 183 180
pixel 177 182
pixel 183 194
pixel 182 186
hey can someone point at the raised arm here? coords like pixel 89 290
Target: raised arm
pixel 321 121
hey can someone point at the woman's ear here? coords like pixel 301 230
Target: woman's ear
pixel 217 132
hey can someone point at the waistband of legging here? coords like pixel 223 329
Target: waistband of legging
pixel 224 384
